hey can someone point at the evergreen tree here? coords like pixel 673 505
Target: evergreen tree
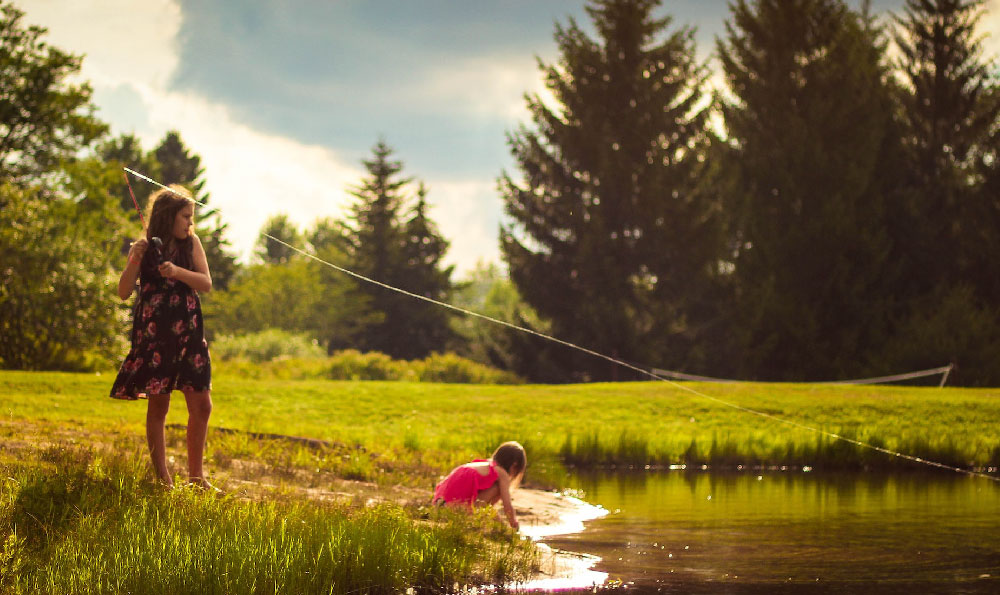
pixel 813 159
pixel 178 166
pixel 948 225
pixel 611 238
pixel 44 119
pixel 126 151
pixel 949 111
pixel 271 252
pixel 405 254
pixel 428 326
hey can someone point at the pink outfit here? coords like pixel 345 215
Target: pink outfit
pixel 464 483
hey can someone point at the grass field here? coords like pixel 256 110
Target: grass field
pixel 346 511
pixel 406 427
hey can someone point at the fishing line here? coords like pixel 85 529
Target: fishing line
pixel 613 360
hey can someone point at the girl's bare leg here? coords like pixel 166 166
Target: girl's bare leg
pixel 199 406
pixel 156 418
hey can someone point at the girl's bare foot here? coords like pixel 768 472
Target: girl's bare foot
pixel 202 483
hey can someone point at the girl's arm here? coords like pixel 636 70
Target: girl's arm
pixel 200 279
pixel 503 482
pixel 126 283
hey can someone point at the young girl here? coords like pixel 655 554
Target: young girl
pixel 169 351
pixel 483 482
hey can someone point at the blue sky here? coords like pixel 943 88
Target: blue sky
pixel 283 98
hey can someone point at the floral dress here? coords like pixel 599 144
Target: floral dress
pixel 169 351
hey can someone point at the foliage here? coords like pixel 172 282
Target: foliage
pixel 266 345
pixel 271 252
pixel 384 243
pixel 55 270
pixel 950 325
pixel 812 149
pixel 44 118
pixel 611 238
pixel 299 296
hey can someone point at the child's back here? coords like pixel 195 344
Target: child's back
pixel 485 481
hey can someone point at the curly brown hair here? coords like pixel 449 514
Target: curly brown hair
pixel 164 205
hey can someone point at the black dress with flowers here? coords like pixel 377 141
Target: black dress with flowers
pixel 169 351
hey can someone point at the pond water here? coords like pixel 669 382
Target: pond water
pixel 791 532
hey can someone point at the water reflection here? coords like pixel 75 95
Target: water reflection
pixel 684 531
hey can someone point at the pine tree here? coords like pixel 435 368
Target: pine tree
pixel 611 239
pixel 428 326
pixel 949 109
pixel 812 159
pixel 948 227
pixel 178 166
pixel 126 151
pixel 272 252
pixel 380 245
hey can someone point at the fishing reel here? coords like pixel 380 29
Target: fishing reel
pixel 157 246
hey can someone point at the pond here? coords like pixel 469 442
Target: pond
pixel 790 532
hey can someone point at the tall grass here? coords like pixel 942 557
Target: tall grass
pixel 76 522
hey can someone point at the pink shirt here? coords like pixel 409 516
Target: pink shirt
pixel 464 483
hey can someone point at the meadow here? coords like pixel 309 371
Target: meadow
pixel 328 481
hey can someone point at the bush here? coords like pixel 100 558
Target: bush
pixel 448 367
pixel 265 346
pixel 281 354
pixel 351 364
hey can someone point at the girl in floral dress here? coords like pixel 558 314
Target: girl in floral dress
pixel 169 351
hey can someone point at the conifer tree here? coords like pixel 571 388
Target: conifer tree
pixel 948 228
pixel 427 326
pixel 950 112
pixel 813 159
pixel 280 227
pixel 381 245
pixel 610 237
pixel 177 165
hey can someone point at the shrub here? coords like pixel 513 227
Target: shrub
pixel 266 346
pixel 449 367
pixel 351 364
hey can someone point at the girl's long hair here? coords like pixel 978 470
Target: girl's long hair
pixel 163 208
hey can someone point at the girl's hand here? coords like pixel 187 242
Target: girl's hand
pixel 169 270
pixel 137 250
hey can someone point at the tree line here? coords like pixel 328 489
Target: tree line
pixel 832 211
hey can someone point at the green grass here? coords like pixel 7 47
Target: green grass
pixel 76 521
pixel 409 430
pixel 345 510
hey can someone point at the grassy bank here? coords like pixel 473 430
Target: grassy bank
pixel 77 520
pixel 400 432
pixel 343 509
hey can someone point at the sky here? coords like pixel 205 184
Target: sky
pixel 283 99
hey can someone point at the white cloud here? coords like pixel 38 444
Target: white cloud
pixel 250 175
pixel 466 213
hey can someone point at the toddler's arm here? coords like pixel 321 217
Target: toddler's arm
pixel 503 482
